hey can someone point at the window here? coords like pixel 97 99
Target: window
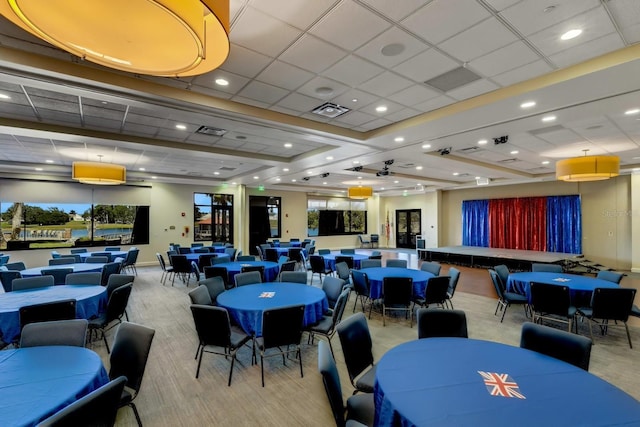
pixel 213 217
pixel 273 207
pixel 329 217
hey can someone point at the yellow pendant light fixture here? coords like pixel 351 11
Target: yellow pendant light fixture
pixel 360 192
pixel 98 173
pixel 170 38
pixel 588 168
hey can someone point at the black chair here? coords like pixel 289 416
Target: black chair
pixel 108 269
pixel 117 280
pixel 78 251
pixel 400 263
pixel 200 250
pixel 107 254
pixel 7 277
pixel 296 254
pixel 214 285
pixel 83 278
pixel 247 278
pixel 182 268
pixel 98 408
pixel 281 329
pixel 204 260
pixel 431 267
pixel 324 251
pixel 32 282
pixel 166 271
pixel 271 254
pixel 71 332
pixel 396 293
pixel 95 259
pixel 16 266
pixel 434 323
pixel 116 307
pixel 130 260
pixel 356 347
pixel 361 287
pixel 609 304
pixel 249 268
pixel 370 263
pixel 344 272
pixel 364 241
pixel 231 252
pixel 318 267
pixel 59 274
pixel 62 261
pixel 214 330
pixel 112 249
pixel 200 296
pixel 216 271
pixel 505 299
pixel 287 266
pixel 610 276
pixel 348 251
pixel 47 312
pixel 346 259
pixel 435 292
pixel 551 302
pixel 244 258
pixel 375 240
pixel 360 408
pixel 184 251
pixel 454 276
pixel 326 327
pixel 571 348
pixel 545 268
pixel 131 347
pixel 294 277
pixel 332 287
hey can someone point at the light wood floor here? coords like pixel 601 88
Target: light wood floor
pixel 171 396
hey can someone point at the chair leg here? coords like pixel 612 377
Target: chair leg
pixel 262 368
pixel 135 412
pixel 300 358
pixel 384 312
pixel 104 337
pixel 233 359
pixel 504 311
pixel 201 350
pixel 628 336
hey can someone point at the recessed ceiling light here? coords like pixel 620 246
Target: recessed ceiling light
pixel 181 127
pixel 632 111
pixel 48 161
pixel 234 183
pixel 425 146
pixel 381 108
pixel 396 182
pixel 39 169
pixel 399 139
pixel 571 34
pixel 548 118
pixel 309 172
pixel 477 177
pixel 278 179
pixel 104 102
pixel 222 82
pixel 515 152
pixel 381 188
pixel 293 180
pixel 3 96
pixel 216 173
pixel 419 168
pixel 528 104
pixel 256 177
pixel 482 142
pixel 359 177
pixel 329 157
pixel 324 183
pixel 456 173
pixel 545 162
pixel 288 145
pixel 285 169
pixel 393 49
pixel 141 169
pixel 354 100
pixel 355 162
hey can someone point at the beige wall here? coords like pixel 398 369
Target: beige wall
pixel 428 203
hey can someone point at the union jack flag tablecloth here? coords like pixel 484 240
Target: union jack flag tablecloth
pixel 501 385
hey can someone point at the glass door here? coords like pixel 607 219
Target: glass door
pixel 408 226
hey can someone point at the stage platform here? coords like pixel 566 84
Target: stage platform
pixel 476 256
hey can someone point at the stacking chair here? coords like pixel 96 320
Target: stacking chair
pixel 243 258
pixel 129 263
pixel 332 287
pixel 361 287
pixel 503 274
pixel 204 260
pixel 71 332
pixel 200 250
pixel 116 307
pixel 396 296
pixel 219 260
pixel 200 295
pixel 358 356
pixel 281 329
pixel 454 276
pixel 609 304
pixel 318 267
pixel 295 254
pixel 249 268
pixel 214 330
pixel 62 261
pixel 364 241
pixel 182 268
pixel 109 269
pixel 552 302
pixel 7 278
pixel 375 240
pixel 431 267
pixel 184 251
pixel 571 348
pixel 360 408
pixel 434 323
pixel 346 259
pixel 59 274
pixel 16 266
pixel 348 251
pixel 55 255
pixel 402 263
pixel 83 278
pixel 95 259
pixel 287 266
pixel 271 254
pixel 370 263
pixel 166 271
pixel 344 272
pixel 610 276
pixel 324 251
pixel 505 299
pixel 108 255
pixel 435 292
pixel 326 327
pixel 375 255
pixel 32 282
pixel 46 312
pixel 195 270
pixel 545 268
pixel 98 408
pixel 112 249
pixel 117 280
pixel 78 251
pixel 215 271
pixel 4 259
pixel 231 252
pixel 260 253
pixel 215 286
pixel 248 278
pixel 131 347
pixel 294 277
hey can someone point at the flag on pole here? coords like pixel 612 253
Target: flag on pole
pixel 387 229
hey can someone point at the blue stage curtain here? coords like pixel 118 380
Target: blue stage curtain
pixel 564 224
pixel 475 223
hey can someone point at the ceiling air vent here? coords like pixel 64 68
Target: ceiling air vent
pixel 227 168
pixel 331 110
pixel 468 149
pixel 453 79
pixel 208 130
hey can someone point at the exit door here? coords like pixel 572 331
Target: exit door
pixel 409 225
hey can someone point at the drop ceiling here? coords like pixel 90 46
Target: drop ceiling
pixel 449 72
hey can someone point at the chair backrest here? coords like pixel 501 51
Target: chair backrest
pixel 497 284
pixel 117 280
pixel 550 299
pixel 46 312
pixel 610 276
pixel 288 266
pixel 215 286
pixel 295 254
pixel 356 344
pixel 55 254
pixel 375 254
pixel 215 271
pixel 546 268
pixel 282 259
pixel 78 251
pixel 7 278
pixel 433 323
pixel 184 251
pixel 83 278
pixel 109 269
pixel 132 256
pixel 204 260
pixel 219 260
pixel 250 268
pixel 294 277
pixel 16 266
pixel 346 259
pixel 331 380
pixel 260 254
pixel 402 263
pixel 282 326
pixel 317 264
pixel 348 251
pixel 200 295
pixel 563 345
pixel 195 270
pixel 108 255
pixel 161 261
pixel 231 252
pixel 360 282
pixel 169 253
pixel 248 278
pixel 197 245
pixel 98 408
pixel 96 259
pixel 180 264
pixel 431 267
pixel 62 260
pixel 436 290
pixel 375 238
pixel 59 274
pixel 454 276
pixel 130 352
pixel 72 332
pixel 324 251
pixel 370 263
pixel 397 291
pixel 212 324
pixel 612 303
pixel 503 273
pixel 342 270
pixel 245 258
pixel 271 254
pixel 112 249
pixel 32 282
pixel 332 287
pixel 117 303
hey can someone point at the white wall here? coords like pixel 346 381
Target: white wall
pixel 428 203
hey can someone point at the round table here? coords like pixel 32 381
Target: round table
pixel 77 268
pixel 330 260
pixel 271 269
pixel 581 286
pixel 91 300
pixel 114 254
pixel 195 256
pixel 39 381
pixel 247 303
pixel 376 276
pixel 462 382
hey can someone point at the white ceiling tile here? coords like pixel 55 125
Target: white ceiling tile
pixel 251 101
pixel 587 50
pixel 375 124
pixel 632 33
pixel 355 118
pixel 349 25
pixel 310 87
pixel 299 102
pixel 478 40
pixel 499 5
pixel 442 19
pixel 472 89
pixel 434 104
pixel 362 99
pixel 504 59
pixel 352 71
pixel 245 62
pixel 402 114
pixel 372 50
pixel 561 136
pixel 426 65
pixel 283 75
pixel 392 107
pixel 529 16
pixel 263 93
pixel 211 92
pixel 386 84
pixel 522 73
pixel 413 95
pixel 299 13
pixel 312 54
pixel 208 80
pixel 283 110
pixel 262 33
pixel 394 9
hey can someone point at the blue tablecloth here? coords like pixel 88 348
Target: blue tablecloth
pixel 330 260
pixel 246 306
pixel 37 382
pixel 77 268
pixel 91 300
pixel 196 256
pixel 581 286
pixel 114 254
pixel 377 274
pixel 436 382
pixel 285 252
pixel 271 269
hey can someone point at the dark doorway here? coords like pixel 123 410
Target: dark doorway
pixel 264 220
pixel 408 226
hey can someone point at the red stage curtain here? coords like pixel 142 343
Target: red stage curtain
pixel 518 223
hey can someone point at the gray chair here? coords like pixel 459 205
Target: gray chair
pixel 454 277
pixel 370 263
pixel 7 278
pixel 348 251
pixel 166 271
pixel 610 276
pixel 294 277
pixel 94 259
pixel 62 260
pixel 248 278
pixel 200 295
pixel 16 266
pixel 571 348
pixel 117 280
pixel 71 332
pixel 326 327
pixel 215 286
pixel 324 251
pixel 431 267
pixel 435 323
pixel 108 269
pixel 84 278
pixel 364 241
pixel 116 306
pixel 332 287
pixel 59 274
pixel 361 288
pixel 505 299
pixel 32 282
pixel 357 349
pixel 112 249
pixel 78 251
pixel 396 296
pixel 243 258
pixel 129 263
pixel 545 268
pixel 503 274
pixel 318 267
pixel 402 263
